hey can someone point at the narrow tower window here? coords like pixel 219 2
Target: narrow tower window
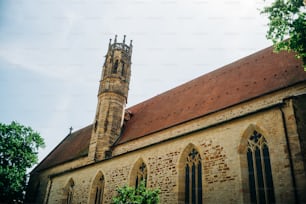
pixel 115 67
pixel 259 167
pixel 122 68
pixel 193 178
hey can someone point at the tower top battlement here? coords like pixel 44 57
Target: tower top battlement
pixel 120 46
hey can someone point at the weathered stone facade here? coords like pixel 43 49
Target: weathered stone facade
pixel 221 139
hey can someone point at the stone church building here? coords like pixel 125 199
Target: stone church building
pixel 234 135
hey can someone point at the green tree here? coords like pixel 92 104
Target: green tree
pixel 18 151
pixel 139 195
pixel 287 26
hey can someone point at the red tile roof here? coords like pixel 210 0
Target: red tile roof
pixel 250 77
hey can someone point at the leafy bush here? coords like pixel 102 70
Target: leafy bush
pixel 139 195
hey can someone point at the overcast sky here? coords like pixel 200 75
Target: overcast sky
pixel 52 51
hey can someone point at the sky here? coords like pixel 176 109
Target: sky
pixel 52 52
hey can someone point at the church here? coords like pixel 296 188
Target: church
pixel 234 135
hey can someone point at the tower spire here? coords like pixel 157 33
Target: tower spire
pixel 112 99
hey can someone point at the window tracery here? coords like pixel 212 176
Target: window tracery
pixel 259 169
pixel 193 178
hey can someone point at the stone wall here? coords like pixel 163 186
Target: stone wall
pixel 222 150
pixel 221 140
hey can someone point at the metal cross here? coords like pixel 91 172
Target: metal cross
pixel 70 129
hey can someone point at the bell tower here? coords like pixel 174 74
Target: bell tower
pixel 112 98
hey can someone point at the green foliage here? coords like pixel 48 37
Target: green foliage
pixel 287 19
pixel 18 151
pixel 140 195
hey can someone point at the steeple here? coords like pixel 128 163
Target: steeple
pixel 112 99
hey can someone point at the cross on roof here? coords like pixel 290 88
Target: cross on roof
pixel 70 130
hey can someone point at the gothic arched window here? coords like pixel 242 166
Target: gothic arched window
pixel 99 190
pixel 259 168
pixel 141 174
pixel 69 192
pixel 193 178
